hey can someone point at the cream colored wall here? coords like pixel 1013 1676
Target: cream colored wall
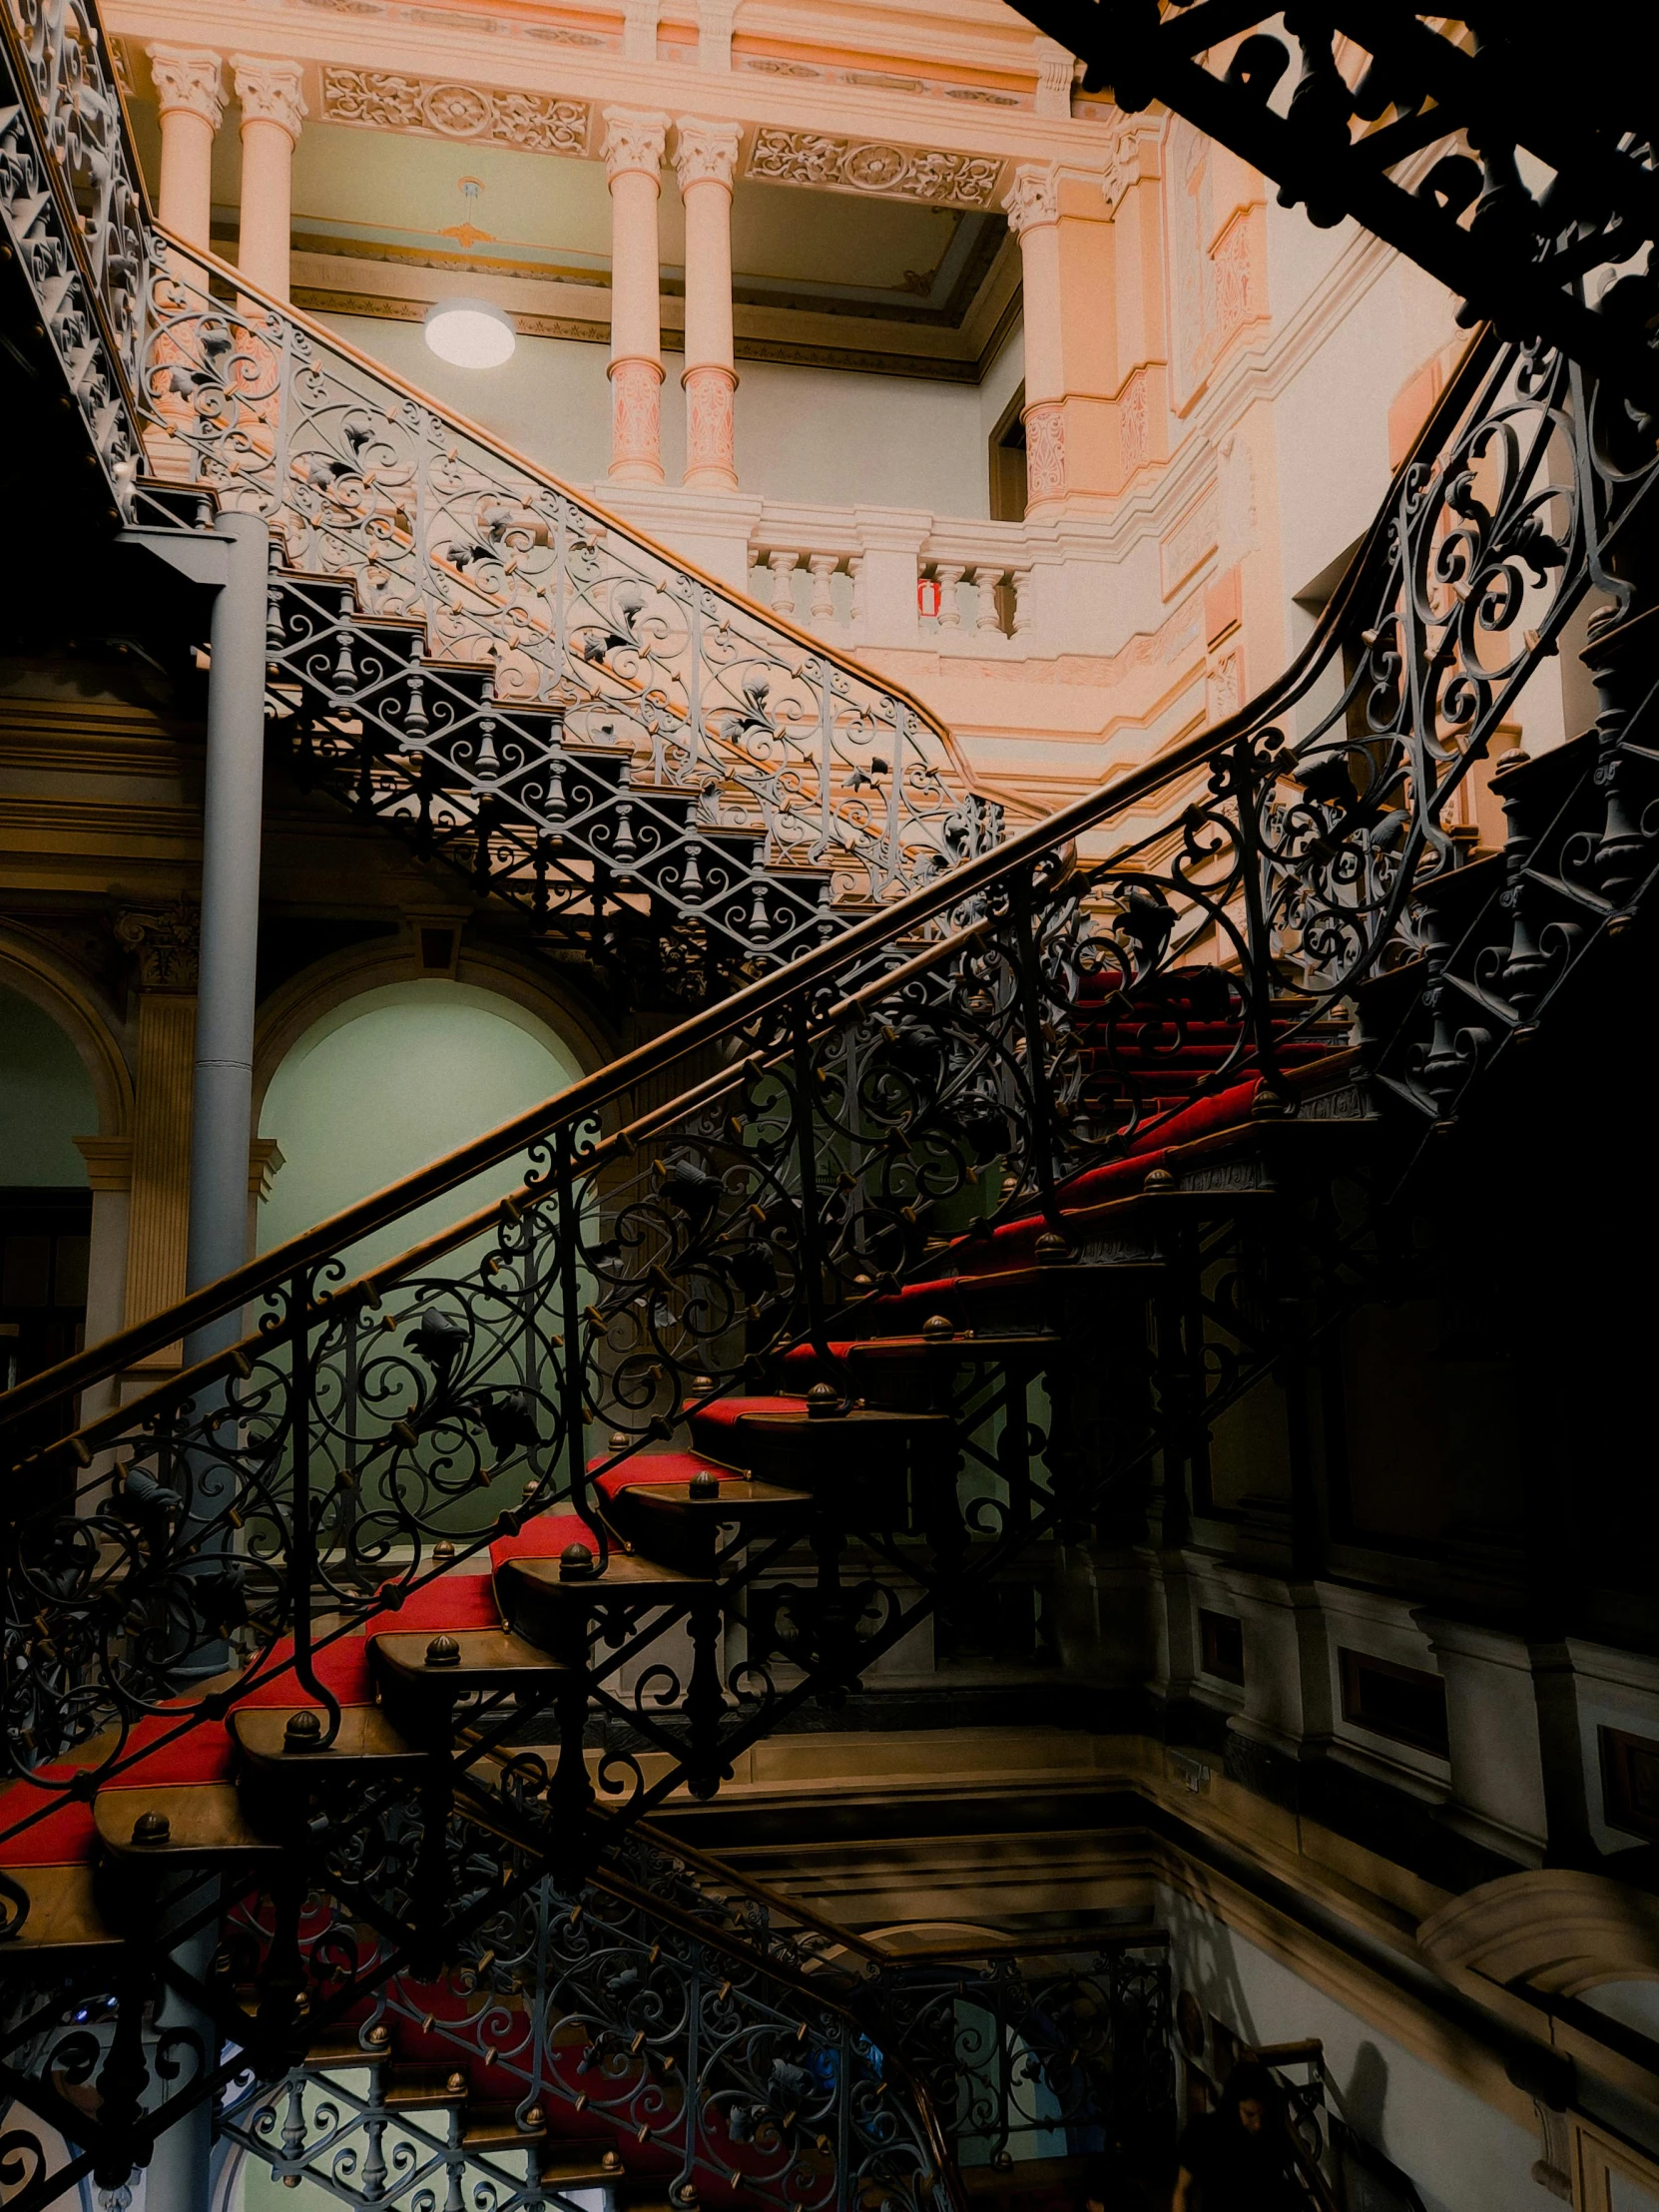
pixel 801 433
pixel 1464 2155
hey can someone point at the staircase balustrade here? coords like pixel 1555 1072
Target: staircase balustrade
pixel 485 657
pixel 885 1094
pixel 76 227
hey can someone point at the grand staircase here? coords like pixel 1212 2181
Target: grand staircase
pixel 660 774
pixel 348 1670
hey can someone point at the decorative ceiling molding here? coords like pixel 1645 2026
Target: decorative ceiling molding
pixel 439 106
pixel 874 168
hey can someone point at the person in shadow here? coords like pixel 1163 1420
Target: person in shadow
pixel 1237 2158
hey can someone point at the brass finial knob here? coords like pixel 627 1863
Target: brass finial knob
pixel 938 1327
pixel 575 1563
pixel 303 1732
pixel 152 1828
pixel 444 1651
pixel 705 1487
pixel 822 1399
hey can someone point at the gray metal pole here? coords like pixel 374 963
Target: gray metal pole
pixel 222 1114
pixel 179 2179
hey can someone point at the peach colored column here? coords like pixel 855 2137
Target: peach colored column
pixel 633 151
pixel 705 156
pixel 1033 206
pixel 189 95
pixel 271 107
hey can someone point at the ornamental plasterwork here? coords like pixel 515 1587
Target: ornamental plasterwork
pixel 1123 161
pixel 873 167
pixel 1033 198
pixel 269 92
pixel 439 106
pixel 705 153
pixel 164 942
pixel 188 79
pixel 635 139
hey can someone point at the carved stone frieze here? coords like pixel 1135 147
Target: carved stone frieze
pixel 165 943
pixel 438 107
pixel 871 166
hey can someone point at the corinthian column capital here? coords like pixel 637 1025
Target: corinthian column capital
pixel 1033 198
pixel 188 79
pixel 634 142
pixel 705 153
pixel 269 92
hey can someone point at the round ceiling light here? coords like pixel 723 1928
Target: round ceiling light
pixel 471 333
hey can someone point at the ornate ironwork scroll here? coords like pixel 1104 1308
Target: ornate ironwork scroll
pixel 75 223
pixel 735 732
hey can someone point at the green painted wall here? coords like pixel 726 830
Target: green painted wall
pixel 46 1099
pixel 391 1080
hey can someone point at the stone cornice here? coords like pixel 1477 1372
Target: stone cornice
pixel 559 61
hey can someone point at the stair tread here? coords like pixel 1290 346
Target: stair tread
pixel 365 1736
pixel 488 1658
pixel 624 1571
pixel 63 1914
pixel 206 1820
pixel 737 1492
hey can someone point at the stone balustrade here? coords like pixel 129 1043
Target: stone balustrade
pixel 878 577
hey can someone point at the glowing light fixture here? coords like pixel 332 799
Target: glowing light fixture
pixel 471 333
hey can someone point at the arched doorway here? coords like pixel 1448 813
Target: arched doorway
pixel 391 1079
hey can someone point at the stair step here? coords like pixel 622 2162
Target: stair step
pixel 499 2127
pixel 681 1522
pixel 580 2165
pixel 559 1611
pixel 425 2089
pixel 367 1742
pixel 64 1926
pixel 440 1666
pixel 336 2052
pixel 782 1440
pixel 193 1823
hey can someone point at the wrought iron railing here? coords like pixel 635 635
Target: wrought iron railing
pixel 549 642
pixel 661 2025
pixel 1036 2055
pixel 76 221
pixel 1432 131
pixel 846 1113
pixel 462 645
